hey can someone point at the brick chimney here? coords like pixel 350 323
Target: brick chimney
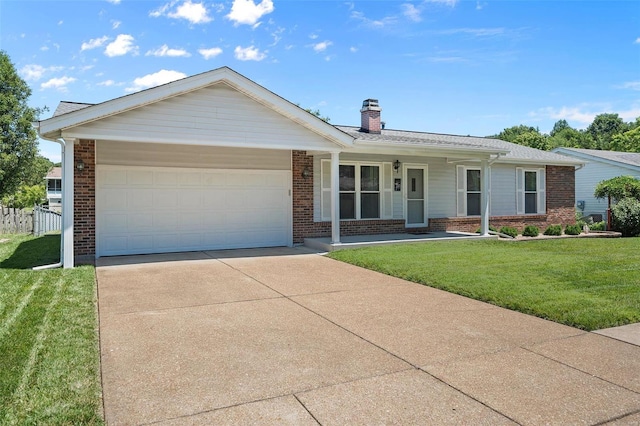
pixel 370 116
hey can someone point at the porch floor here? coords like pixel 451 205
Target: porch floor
pixel 357 241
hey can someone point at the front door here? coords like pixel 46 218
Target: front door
pixel 416 196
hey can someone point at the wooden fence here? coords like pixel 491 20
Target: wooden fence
pixel 45 220
pixel 37 222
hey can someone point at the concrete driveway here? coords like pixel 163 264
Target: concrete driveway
pixel 285 336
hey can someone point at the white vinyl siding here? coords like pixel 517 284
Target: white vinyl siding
pixel 165 155
pixel 503 189
pixel 216 115
pixel 522 191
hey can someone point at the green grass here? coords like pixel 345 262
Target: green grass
pixel 49 356
pixel 586 283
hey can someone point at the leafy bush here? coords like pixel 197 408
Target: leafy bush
pixel 512 232
pixel 573 229
pixel 491 228
pixel 598 226
pixel 553 230
pixel 626 217
pixel 530 231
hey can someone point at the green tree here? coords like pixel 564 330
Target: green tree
pixel 628 141
pixel 18 142
pixel 510 134
pixel 559 126
pixel 532 140
pixel 570 138
pixel 617 188
pixel 25 196
pixel 604 127
pixel 39 169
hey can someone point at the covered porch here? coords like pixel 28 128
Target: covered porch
pixel 358 241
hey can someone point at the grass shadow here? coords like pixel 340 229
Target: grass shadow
pixel 40 251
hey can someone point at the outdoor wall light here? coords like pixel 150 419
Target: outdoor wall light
pixel 306 172
pixel 396 165
pixel 80 165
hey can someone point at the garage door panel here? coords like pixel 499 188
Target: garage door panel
pixel 139 177
pixel 159 209
pixel 140 243
pixel 139 199
pixel 139 222
pixel 113 199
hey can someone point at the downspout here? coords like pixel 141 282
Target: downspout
pixel 64 208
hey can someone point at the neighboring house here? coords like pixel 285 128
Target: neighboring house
pixel 599 166
pixel 216 161
pixel 53 181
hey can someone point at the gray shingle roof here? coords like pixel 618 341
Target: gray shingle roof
pixel 629 158
pixel 54 173
pixel 67 107
pixel 515 152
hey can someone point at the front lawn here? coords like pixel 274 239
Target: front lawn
pixel 49 357
pixel 586 283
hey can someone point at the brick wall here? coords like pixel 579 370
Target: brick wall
pixel 561 194
pixel 84 222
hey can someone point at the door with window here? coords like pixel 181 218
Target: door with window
pixel 415 178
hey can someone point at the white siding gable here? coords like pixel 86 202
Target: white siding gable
pixel 217 115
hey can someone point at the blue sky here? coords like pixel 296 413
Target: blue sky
pixel 460 67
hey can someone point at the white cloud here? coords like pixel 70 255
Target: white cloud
pixel 44 48
pixel 249 13
pixel 313 36
pixel 210 53
pixel 373 23
pixel 353 49
pixel 155 79
pixel 584 113
pixel 411 12
pixel 115 24
pixel 633 85
pixel 34 72
pixel 196 13
pixel 58 83
pixel 164 50
pixel 477 32
pixel 250 53
pixel 444 2
pixel 122 45
pixel 637 41
pixel 107 83
pixel 93 43
pixel 60 22
pixel 114 1
pixel 322 46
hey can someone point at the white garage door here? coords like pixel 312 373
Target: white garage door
pixel 164 209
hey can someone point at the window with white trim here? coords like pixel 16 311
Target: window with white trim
pixel 365 190
pixel 530 191
pixel 474 192
pixel 359 191
pixel 469 188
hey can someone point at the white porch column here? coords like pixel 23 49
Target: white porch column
pixel 484 200
pixel 68 169
pixel 335 198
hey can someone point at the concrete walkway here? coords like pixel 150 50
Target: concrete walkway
pixel 290 337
